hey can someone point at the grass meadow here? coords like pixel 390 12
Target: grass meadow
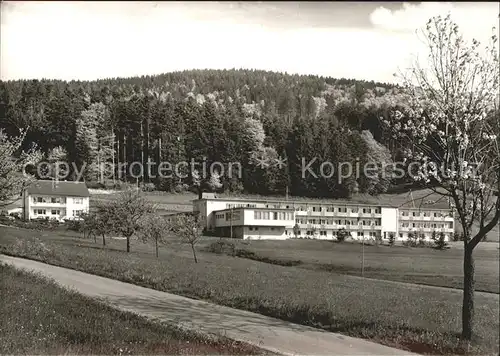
pixel 39 317
pixel 419 265
pixel 408 316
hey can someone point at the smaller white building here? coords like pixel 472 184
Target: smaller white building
pixel 56 200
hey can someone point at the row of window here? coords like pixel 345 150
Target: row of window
pixel 334 233
pixel 369 234
pixel 272 215
pixel 256 228
pixel 337 222
pixel 55 212
pixel 47 200
pixel 426 236
pixel 425 214
pixel 332 209
pixel 227 216
pixel 44 212
pixel 56 200
pixel 233 206
pixel 428 225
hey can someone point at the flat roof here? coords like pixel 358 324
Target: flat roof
pixel 296 201
pixel 408 205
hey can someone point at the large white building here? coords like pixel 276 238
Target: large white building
pixel 55 200
pixel 276 219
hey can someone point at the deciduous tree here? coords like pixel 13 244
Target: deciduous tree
pixel 452 128
pixel 126 212
pixel 13 163
pixel 154 227
pixel 189 227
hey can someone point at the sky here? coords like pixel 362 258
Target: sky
pixel 90 40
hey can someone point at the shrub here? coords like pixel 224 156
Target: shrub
pixel 38 224
pixel 54 224
pixel 342 234
pixel 440 242
pixel 75 225
pixel 252 256
pixel 421 240
pixel 392 239
pixel 411 241
pixel 458 236
pixel 434 235
pixel 222 247
pixel 296 230
pixel 16 215
pixel 245 254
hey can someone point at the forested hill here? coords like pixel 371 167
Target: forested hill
pixel 211 115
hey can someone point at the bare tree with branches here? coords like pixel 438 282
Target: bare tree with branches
pixel 189 227
pixel 154 227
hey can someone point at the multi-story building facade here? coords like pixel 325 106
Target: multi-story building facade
pixel 282 219
pixel 55 200
pixel 425 222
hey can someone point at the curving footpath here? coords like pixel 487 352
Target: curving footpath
pixel 267 333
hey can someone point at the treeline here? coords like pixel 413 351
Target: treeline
pixel 225 116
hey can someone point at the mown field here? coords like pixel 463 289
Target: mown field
pixel 39 317
pixel 409 316
pixel 420 265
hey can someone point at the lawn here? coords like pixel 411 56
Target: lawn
pixel 39 317
pixel 398 263
pixel 407 316
pixel 165 202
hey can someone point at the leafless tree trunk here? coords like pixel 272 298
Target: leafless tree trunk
pixel 468 295
pixel 194 253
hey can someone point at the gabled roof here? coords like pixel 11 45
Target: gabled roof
pixel 52 187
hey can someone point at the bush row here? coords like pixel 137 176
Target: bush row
pixel 38 224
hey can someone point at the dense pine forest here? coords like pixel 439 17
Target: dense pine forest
pixel 211 116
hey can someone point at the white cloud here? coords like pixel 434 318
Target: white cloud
pixel 83 40
pixel 474 19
